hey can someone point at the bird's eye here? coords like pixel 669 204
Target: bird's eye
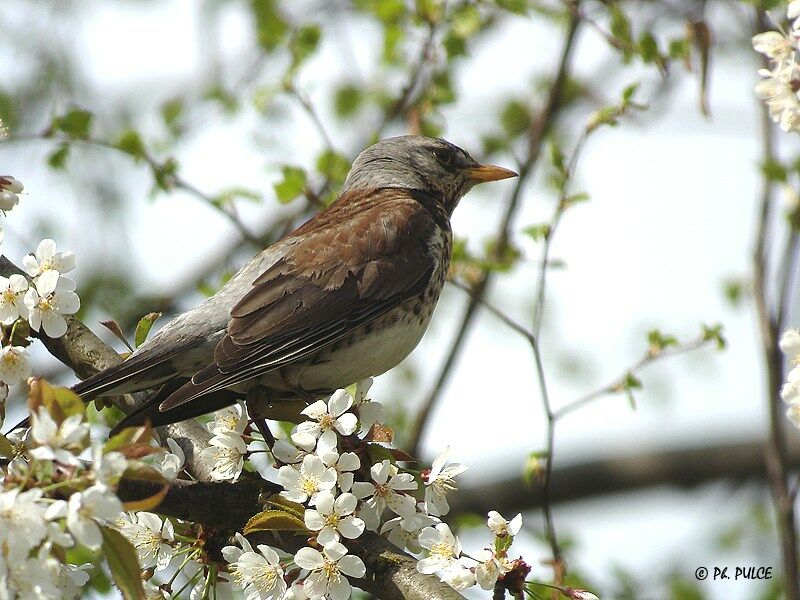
pixel 444 156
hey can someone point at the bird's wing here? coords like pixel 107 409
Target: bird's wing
pixel 330 283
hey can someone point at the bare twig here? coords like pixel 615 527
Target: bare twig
pixel 536 136
pixel 769 327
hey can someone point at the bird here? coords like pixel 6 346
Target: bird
pixel 345 296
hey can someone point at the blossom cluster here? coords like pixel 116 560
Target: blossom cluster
pixel 790 392
pixel 780 83
pixel 39 304
pixel 51 500
pixel 339 472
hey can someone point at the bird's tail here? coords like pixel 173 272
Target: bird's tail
pixel 149 411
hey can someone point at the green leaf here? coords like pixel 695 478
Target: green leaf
pixel 124 564
pixel 774 170
pixel 714 333
pixel 171 112
pixel 59 156
pixel 131 143
pixel 144 326
pixel 347 100
pixel 659 341
pixel 515 118
pixel 465 21
pixel 271 27
pixel 620 25
pixel 303 44
pixel 333 165
pixel 76 123
pixel 537 232
pixel 519 7
pixel 60 402
pixel 275 520
pixel 292 184
pixel 6 447
pixel 648 47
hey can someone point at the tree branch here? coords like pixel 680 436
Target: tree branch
pixel 685 468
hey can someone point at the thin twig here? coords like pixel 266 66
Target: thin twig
pixel 616 386
pixel 537 133
pixel 775 451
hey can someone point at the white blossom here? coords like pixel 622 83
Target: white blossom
pixel 344 463
pixel 458 576
pixel 225 455
pixel 773 45
pixel 151 538
pixel 439 482
pixel 489 568
pixel 325 417
pixel 14 365
pixel 443 549
pixel 9 188
pixel 327 570
pixel 96 503
pixel 22 522
pixel 47 303
pixel 47 258
pixel 57 442
pixel 334 516
pixel 500 527
pixel 404 532
pixel 259 574
pixel 172 462
pixel 12 298
pixel 369 412
pixel 232 419
pixel 304 483
pixel 576 594
pixel 385 490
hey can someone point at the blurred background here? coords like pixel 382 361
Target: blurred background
pixel 164 142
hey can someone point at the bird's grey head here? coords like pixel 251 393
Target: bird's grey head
pixel 431 165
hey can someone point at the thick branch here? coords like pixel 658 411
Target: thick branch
pixel 392 575
pixel 685 468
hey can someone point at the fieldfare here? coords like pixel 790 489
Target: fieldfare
pixel 347 295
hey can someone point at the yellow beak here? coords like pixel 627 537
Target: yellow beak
pixel 484 173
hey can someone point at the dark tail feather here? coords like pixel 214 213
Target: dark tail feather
pixel 150 411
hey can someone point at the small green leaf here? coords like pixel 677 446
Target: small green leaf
pixel 648 47
pixel 171 112
pixel 774 170
pixel 131 143
pixel 659 341
pixel 60 402
pixel 304 43
pixel 114 328
pixel 274 520
pixel 333 166
pixel 347 100
pixel 271 26
pixel 58 158
pixel 537 232
pixel 144 326
pixel 292 184
pixel 465 21
pixel 6 447
pixel 76 123
pixel 714 333
pixel 515 118
pixel 124 564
